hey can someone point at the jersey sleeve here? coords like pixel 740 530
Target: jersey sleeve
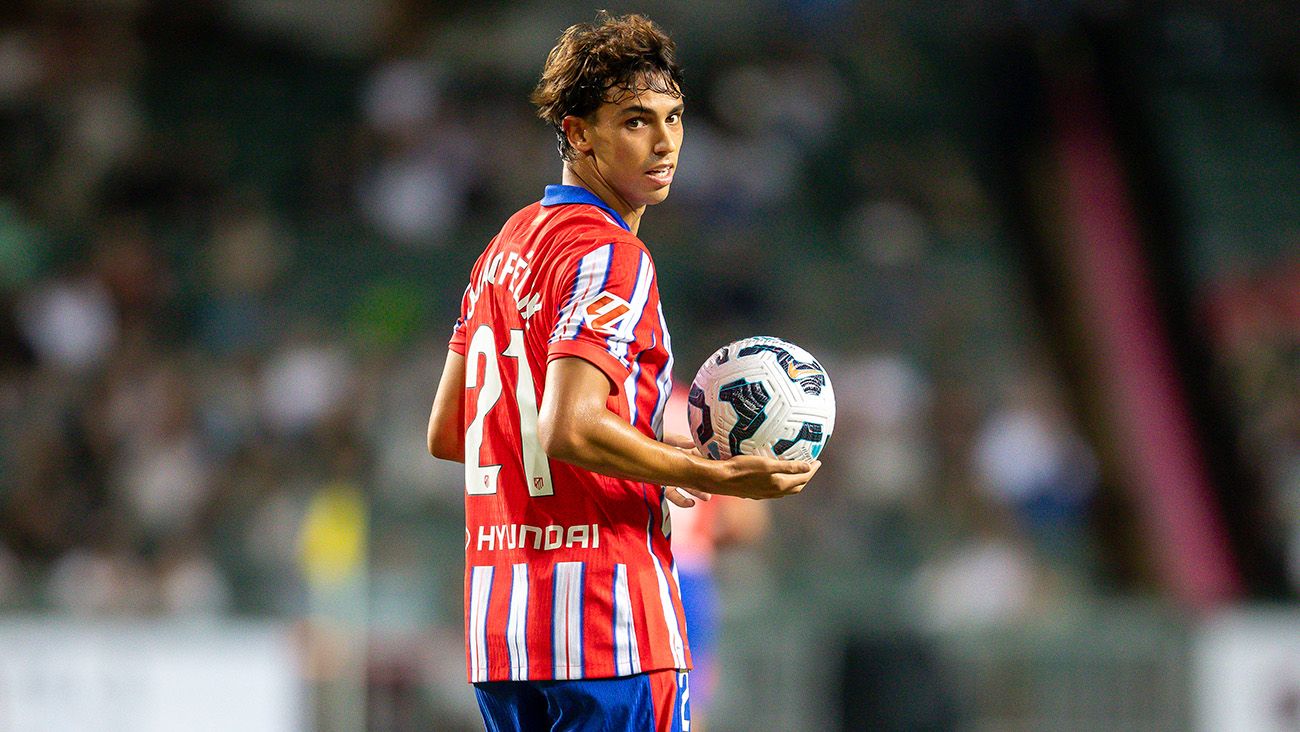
pixel 457 343
pixel 605 296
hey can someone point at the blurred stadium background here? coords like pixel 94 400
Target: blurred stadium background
pixel 1049 250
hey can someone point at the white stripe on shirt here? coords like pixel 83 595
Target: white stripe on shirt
pixel 566 620
pixel 480 593
pixel 517 625
pixel 627 657
pixel 593 269
pixel 666 601
pixel 665 380
pixel 630 392
pixel 626 333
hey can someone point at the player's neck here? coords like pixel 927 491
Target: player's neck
pixel 583 174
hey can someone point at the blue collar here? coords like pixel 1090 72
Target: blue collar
pixel 559 195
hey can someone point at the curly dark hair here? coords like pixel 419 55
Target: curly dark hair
pixel 593 60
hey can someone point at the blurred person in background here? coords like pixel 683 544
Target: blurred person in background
pixel 573 614
pixel 698 534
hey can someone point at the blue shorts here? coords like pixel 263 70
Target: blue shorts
pixel 701 604
pixel 658 700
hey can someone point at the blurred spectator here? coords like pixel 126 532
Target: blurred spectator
pixel 248 255
pixel 70 322
pixel 190 583
pixel 163 472
pixel 1030 460
pixel 417 186
pixel 989 580
pixel 127 260
pixel 305 384
pixel 883 403
pixel 698 534
pixel 100 581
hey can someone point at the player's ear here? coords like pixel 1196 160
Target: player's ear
pixel 578 133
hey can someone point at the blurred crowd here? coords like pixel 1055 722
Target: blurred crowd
pixel 203 329
pixel 229 260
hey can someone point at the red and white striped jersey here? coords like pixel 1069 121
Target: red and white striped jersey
pixel 568 573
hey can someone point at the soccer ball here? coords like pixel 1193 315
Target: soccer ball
pixel 761 396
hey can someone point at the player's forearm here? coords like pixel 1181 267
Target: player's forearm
pixel 601 442
pixel 575 426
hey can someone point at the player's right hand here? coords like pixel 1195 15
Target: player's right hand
pixel 684 497
pixel 752 476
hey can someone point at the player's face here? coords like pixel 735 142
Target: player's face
pixel 635 140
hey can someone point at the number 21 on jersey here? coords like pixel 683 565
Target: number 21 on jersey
pixel 480 479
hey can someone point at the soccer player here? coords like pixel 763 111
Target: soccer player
pixel 553 394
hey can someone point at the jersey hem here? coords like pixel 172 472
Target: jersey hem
pixel 610 673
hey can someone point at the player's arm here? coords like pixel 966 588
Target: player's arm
pixel 574 426
pixel 447 419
